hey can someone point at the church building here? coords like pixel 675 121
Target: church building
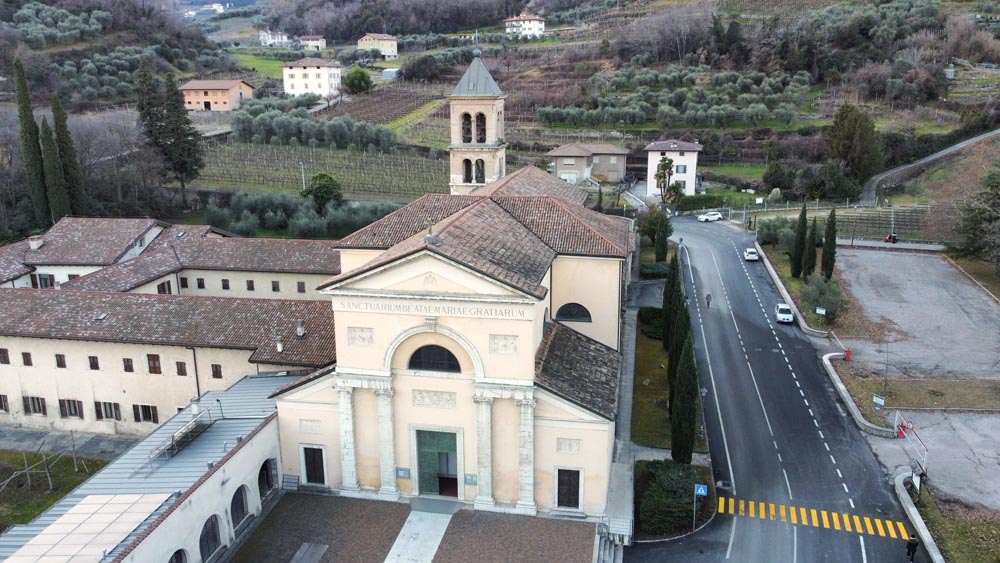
pixel 477 341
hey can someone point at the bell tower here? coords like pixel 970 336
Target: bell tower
pixel 477 152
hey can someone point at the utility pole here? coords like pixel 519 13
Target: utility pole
pixel 303 168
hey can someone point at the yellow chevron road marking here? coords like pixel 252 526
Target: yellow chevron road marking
pixel 814 517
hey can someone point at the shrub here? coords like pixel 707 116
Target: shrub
pixel 651 322
pixel 216 216
pixel 246 226
pixel 699 201
pixel 821 292
pixel 656 270
pixel 768 230
pixel 665 505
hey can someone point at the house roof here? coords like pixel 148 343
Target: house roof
pixel 173 320
pixel 378 37
pixel 222 254
pixel 407 221
pixel 247 408
pixel 673 145
pixel 311 37
pixel 308 61
pixel 584 149
pixel 533 181
pixel 213 84
pixel 12 261
pixel 476 82
pixel 525 17
pixel 176 234
pixel 78 241
pixel 579 369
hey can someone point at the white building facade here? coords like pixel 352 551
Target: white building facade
pixel 685 157
pixel 270 38
pixel 525 26
pixel 311 76
pixel 313 42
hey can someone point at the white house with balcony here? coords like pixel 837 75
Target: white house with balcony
pixel 525 25
pixel 270 38
pixel 685 157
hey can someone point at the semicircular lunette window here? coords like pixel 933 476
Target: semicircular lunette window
pixel 573 312
pixel 434 358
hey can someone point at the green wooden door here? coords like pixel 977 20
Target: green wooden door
pixel 429 444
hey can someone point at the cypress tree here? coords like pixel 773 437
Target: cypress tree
pixel 67 155
pixel 682 331
pixel 31 150
pixel 809 253
pixel 799 243
pixel 663 231
pixel 671 291
pixel 830 245
pixel 181 142
pixel 684 414
pixel 55 184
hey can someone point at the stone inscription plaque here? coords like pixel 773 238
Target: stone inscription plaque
pixel 308 426
pixel 435 399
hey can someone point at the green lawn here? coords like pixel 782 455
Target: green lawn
pixel 962 538
pixel 20 504
pixel 736 198
pixel 743 171
pixel 264 66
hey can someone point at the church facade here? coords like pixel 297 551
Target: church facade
pixel 477 349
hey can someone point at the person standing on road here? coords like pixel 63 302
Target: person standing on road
pixel 708 299
pixel 911 546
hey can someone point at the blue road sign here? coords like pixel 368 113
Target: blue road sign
pixel 701 490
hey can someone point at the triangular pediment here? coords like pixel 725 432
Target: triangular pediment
pixel 427 272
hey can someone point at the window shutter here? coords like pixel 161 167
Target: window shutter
pixel 136 413
pixel 52 281
pixel 99 410
pixel 79 409
pixel 156 418
pixel 34 281
pixel 27 405
pixel 44 411
pixel 62 408
pixel 118 412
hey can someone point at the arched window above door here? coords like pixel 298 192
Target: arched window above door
pixel 434 358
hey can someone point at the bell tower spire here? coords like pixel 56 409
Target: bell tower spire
pixel 477 152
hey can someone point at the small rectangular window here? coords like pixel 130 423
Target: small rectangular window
pixel 597 159
pixel 73 276
pixel 275 286
pixel 182 368
pixel 682 169
pixel 184 283
pixel 145 413
pixel 612 160
pixel 94 363
pixel 34 405
pixel 106 410
pixel 154 363
pixel 4 405
pixel 127 363
pixel 225 284
pixel 249 285
pixel 301 287
pixel 26 358
pixel 4 356
pixel 60 360
pixel 682 153
pixel 69 408
pixel 201 283
pixel 163 288
pixel 217 371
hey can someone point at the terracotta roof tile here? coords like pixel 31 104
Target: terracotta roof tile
pixel 89 241
pixel 130 274
pixel 407 221
pixel 570 229
pixel 173 320
pixel 12 261
pixel 213 84
pixel 379 36
pixel 586 149
pixel 579 369
pixel 308 61
pixel 533 181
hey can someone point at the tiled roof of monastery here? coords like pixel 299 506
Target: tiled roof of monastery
pixel 175 234
pixel 585 149
pixel 88 241
pixel 533 181
pixel 407 221
pixel 223 254
pixel 12 261
pixel 579 369
pixel 173 320
pixel 570 229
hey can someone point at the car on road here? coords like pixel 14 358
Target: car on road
pixel 750 255
pixel 783 313
pixel 710 216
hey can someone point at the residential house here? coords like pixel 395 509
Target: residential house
pixel 311 76
pixel 385 44
pixel 270 38
pixel 215 95
pixel 578 162
pixel 685 157
pixel 525 26
pixel 313 42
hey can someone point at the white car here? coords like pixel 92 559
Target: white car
pixel 710 216
pixel 750 255
pixel 783 313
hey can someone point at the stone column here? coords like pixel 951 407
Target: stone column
pixel 348 449
pixel 386 444
pixel 484 452
pixel 526 469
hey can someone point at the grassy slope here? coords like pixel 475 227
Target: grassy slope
pixel 265 66
pixel 962 536
pixel 20 504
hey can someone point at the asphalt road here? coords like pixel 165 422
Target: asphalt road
pixel 776 430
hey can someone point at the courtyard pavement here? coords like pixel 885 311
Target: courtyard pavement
pixel 941 325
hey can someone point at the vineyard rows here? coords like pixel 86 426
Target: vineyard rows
pixel 388 103
pixel 390 177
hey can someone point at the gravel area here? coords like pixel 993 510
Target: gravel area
pixel 487 537
pixel 943 325
pixel 355 530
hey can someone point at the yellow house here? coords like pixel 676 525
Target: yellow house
pixel 386 45
pixel 215 95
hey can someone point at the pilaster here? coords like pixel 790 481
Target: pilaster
pixel 387 444
pixel 526 458
pixel 484 452
pixel 348 447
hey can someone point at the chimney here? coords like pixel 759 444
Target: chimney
pixel 35 242
pixel 300 329
pixel 280 345
pixel 195 405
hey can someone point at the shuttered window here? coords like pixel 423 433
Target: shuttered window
pixel 145 413
pixel 68 408
pixel 34 405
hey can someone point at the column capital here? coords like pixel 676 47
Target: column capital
pixel 482 399
pixel 387 392
pixel 530 403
